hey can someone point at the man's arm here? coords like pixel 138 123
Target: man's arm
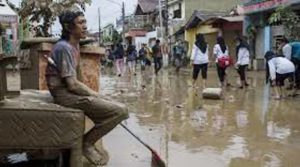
pixel 79 88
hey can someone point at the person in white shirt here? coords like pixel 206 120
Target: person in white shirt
pixel 243 59
pixel 285 48
pixel 278 70
pixel 221 50
pixel 199 59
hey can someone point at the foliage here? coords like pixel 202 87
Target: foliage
pixel 114 38
pixel 43 13
pixel 251 31
pixel 289 19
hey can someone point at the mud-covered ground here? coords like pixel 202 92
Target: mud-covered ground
pixel 245 129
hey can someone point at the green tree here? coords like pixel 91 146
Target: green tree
pixel 45 12
pixel 116 37
pixel 289 19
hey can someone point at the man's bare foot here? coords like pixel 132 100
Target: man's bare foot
pixel 94 156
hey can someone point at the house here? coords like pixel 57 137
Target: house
pixel 212 25
pixel 256 25
pixel 181 10
pixel 143 25
pixel 8 23
pixel 107 32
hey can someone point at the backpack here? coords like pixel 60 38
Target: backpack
pixel 225 61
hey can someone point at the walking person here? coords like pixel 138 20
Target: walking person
pixel 131 58
pixel 292 52
pixel 199 59
pixel 142 56
pixel 149 57
pixel 165 53
pixel 119 59
pixel 243 60
pixel 68 91
pixel 278 69
pixel 109 57
pixel 157 56
pixel 221 54
pixel 178 55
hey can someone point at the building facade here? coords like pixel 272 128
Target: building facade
pixel 264 36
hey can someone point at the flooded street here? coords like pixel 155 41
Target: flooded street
pixel 245 129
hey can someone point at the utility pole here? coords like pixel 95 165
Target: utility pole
pixel 99 19
pixel 123 21
pixel 160 19
pixel 167 17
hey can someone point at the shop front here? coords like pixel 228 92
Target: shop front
pixel 263 36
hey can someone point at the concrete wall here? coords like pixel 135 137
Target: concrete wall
pixel 204 29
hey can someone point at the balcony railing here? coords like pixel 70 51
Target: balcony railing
pixel 140 21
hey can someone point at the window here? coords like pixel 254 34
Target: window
pixel 177 13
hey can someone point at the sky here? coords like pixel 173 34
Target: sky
pixel 109 12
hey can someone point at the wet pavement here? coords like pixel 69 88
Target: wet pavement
pixel 246 128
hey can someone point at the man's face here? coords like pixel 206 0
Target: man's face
pixel 79 30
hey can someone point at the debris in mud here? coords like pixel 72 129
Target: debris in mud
pixel 150 129
pixel 134 155
pixel 122 91
pixel 179 106
pixel 231 99
pixel 144 86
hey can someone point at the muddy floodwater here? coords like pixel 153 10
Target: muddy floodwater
pixel 245 129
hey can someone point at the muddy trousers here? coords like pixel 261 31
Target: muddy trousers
pixel 242 72
pixel 120 66
pixel 200 67
pixel 221 73
pixel 157 64
pixel 105 114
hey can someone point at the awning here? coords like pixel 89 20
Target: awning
pixel 7 15
pixel 201 16
pixel 263 5
pixel 136 33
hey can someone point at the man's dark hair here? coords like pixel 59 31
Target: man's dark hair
pixel 157 41
pixel 66 20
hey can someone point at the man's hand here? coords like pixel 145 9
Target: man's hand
pixel 79 88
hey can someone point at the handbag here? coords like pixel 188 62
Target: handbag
pixel 225 61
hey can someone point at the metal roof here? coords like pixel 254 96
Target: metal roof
pixel 201 16
pixel 6 13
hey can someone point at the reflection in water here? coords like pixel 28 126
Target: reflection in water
pixel 237 149
pixel 277 133
pixel 245 129
pixel 241 119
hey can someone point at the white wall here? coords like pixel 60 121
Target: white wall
pixel 138 41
